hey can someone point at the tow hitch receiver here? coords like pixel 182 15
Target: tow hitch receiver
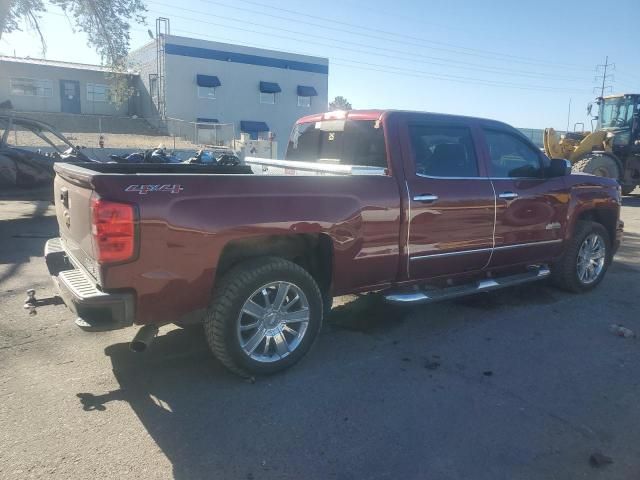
pixel 31 303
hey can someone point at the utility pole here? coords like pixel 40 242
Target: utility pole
pixel 569 115
pixel 605 76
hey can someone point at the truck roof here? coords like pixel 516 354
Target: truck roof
pixel 375 114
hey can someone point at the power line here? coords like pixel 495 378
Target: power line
pixel 470 51
pixel 375 50
pixel 378 67
pixel 409 72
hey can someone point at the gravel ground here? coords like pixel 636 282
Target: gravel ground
pixel 519 384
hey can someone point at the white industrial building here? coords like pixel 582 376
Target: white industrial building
pixel 194 83
pixel 209 92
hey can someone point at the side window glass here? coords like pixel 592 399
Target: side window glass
pixel 441 151
pixel 511 156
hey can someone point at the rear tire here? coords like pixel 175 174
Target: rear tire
pixel 566 272
pixel 250 330
pixel 627 189
pixel 599 165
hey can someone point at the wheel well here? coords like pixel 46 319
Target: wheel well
pixel 313 252
pixel 606 218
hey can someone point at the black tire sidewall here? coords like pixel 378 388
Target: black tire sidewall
pixel 290 273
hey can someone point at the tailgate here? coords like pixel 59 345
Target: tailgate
pixel 72 195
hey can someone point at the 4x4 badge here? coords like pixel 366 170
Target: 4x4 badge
pixel 144 189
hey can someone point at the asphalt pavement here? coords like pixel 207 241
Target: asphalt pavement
pixel 524 383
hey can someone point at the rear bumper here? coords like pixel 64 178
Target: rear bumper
pixel 96 310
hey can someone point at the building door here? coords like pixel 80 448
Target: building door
pixel 451 204
pixel 69 96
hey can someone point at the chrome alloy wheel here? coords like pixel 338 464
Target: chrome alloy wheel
pixel 273 321
pixel 591 258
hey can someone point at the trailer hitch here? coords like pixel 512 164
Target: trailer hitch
pixel 31 303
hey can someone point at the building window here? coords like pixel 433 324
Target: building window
pixel 207 92
pixel 97 92
pixel 304 101
pixel 31 87
pixel 269 98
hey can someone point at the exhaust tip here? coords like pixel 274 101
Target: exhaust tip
pixel 143 338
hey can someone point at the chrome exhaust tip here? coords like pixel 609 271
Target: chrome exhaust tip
pixel 143 338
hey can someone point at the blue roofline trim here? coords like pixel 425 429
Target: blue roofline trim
pixel 206 120
pixel 185 51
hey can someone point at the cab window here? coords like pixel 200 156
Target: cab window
pixel 443 151
pixel 511 157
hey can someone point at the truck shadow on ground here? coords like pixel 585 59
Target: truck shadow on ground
pixel 212 424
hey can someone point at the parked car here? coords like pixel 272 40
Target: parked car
pixel 419 206
pixel 28 167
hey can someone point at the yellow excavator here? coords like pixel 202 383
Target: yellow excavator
pixel 612 149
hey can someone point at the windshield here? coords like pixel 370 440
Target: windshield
pixel 616 112
pixel 344 142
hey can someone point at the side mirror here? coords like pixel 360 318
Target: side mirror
pixel 589 108
pixel 559 167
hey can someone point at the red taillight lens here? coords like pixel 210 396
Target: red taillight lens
pixel 113 229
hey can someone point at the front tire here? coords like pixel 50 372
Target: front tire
pixel 586 259
pixel 264 316
pixel 599 165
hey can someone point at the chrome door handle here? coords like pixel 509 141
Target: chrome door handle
pixel 427 198
pixel 508 195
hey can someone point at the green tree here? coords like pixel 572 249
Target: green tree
pixel 340 103
pixel 106 23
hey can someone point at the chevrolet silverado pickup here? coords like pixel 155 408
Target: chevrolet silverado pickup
pixel 418 206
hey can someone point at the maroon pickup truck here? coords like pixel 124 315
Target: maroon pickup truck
pixel 419 206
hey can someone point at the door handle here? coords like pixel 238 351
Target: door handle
pixel 508 195
pixel 426 198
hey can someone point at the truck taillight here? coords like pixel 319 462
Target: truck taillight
pixel 113 228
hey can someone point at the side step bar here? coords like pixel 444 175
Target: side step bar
pixel 486 285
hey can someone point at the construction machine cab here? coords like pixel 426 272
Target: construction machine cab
pixel 612 149
pixel 619 113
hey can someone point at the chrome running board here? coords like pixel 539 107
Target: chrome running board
pixel 485 285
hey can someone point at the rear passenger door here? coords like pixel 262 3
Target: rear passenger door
pixel 531 209
pixel 451 200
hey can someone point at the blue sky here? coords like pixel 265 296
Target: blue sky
pixel 519 62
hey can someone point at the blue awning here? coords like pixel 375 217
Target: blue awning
pixel 206 120
pixel 270 87
pixel 250 126
pixel 304 91
pixel 207 81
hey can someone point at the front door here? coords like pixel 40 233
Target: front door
pixel 69 96
pixel 452 203
pixel 531 209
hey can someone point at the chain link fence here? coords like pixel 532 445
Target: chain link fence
pixel 202 133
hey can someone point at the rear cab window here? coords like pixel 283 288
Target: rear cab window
pixel 340 142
